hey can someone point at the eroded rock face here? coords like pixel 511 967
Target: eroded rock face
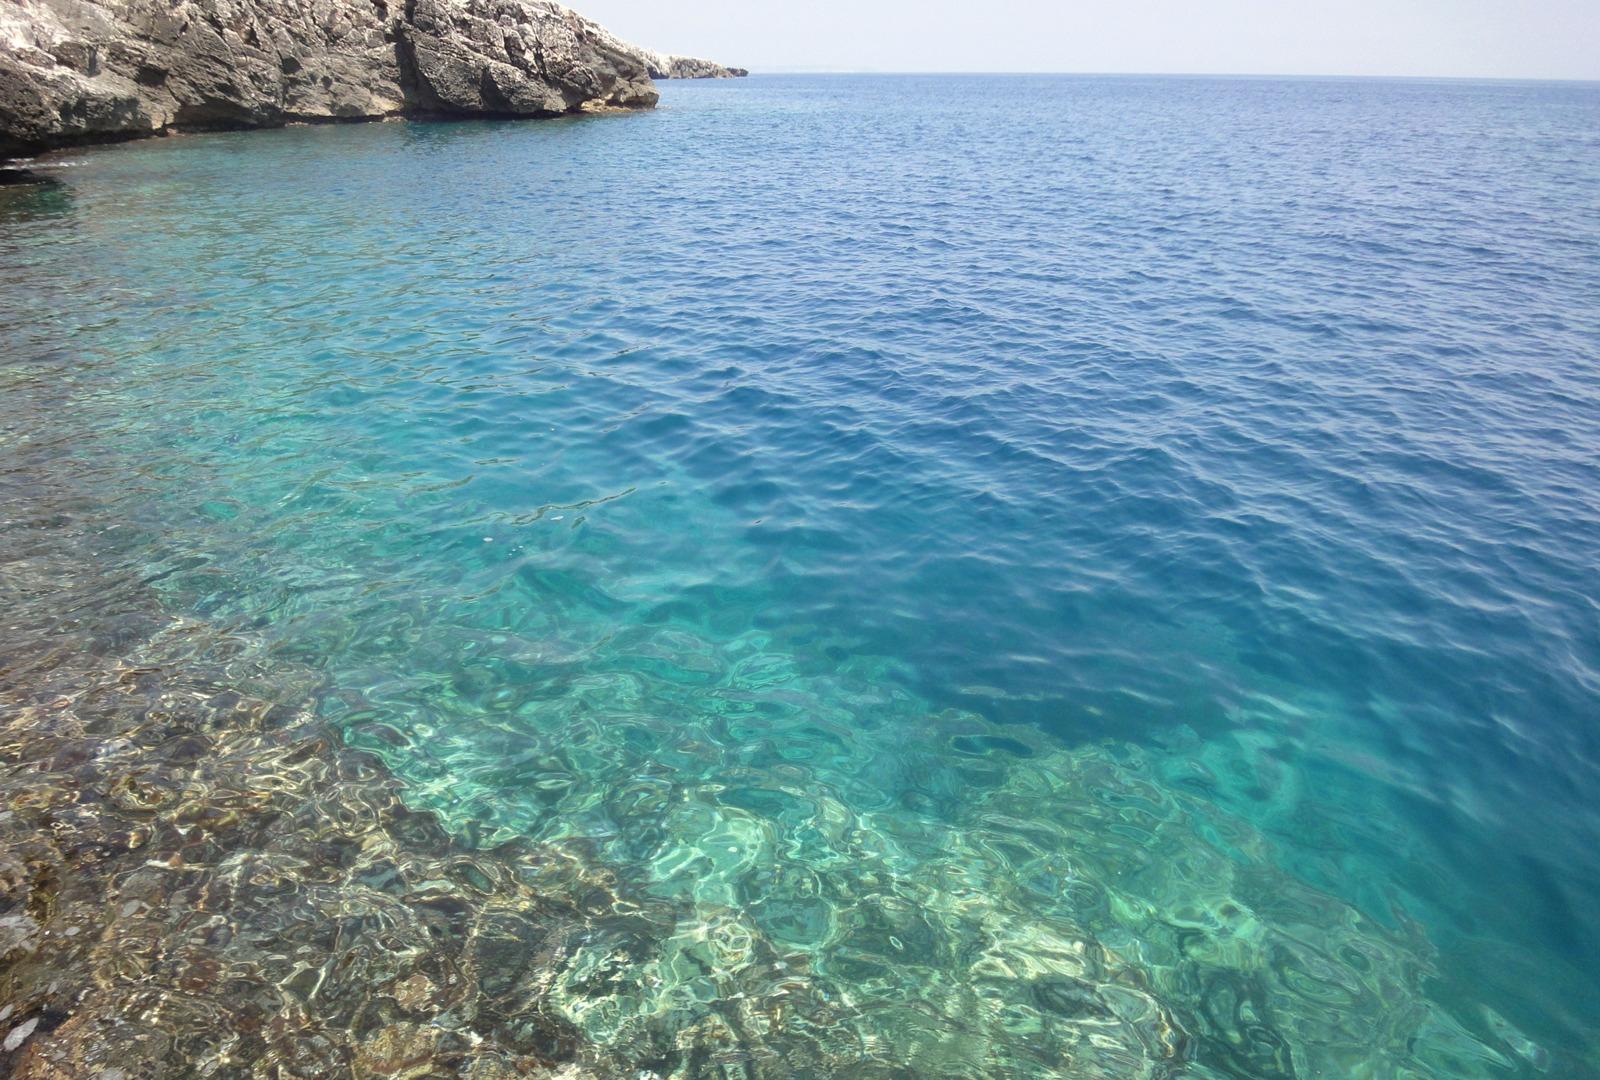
pixel 75 71
pixel 667 66
pixel 514 57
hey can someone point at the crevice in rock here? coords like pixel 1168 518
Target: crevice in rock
pixel 412 89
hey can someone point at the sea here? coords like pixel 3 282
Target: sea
pixel 1040 575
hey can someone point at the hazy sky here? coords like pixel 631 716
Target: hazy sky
pixel 1501 38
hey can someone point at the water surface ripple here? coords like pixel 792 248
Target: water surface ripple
pixel 1046 576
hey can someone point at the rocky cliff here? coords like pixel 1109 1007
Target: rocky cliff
pixel 666 66
pixel 76 71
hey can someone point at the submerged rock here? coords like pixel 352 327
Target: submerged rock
pixel 9 177
pixel 78 71
pixel 197 878
pixel 283 910
pixel 19 1034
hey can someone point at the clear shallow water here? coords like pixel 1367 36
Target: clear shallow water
pixel 1087 575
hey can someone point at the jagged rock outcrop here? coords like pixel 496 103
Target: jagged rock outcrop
pixel 667 66
pixel 76 71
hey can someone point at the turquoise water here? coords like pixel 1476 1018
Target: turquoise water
pixel 1054 576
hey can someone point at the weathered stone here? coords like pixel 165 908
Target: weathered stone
pixel 399 1051
pixel 283 913
pixel 18 1034
pixel 77 71
pixel 19 935
pixel 514 57
pixel 668 66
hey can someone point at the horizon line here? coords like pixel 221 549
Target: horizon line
pixel 1582 80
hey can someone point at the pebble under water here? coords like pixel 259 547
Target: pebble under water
pixel 920 577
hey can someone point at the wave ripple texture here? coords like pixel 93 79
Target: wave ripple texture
pixel 1032 576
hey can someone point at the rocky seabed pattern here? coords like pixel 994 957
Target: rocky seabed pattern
pixel 200 878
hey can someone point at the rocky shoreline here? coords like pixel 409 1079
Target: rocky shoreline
pixel 84 71
pixel 666 66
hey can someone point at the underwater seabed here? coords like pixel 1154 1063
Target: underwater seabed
pixel 872 888
pixel 694 901
pixel 688 848
pixel 736 866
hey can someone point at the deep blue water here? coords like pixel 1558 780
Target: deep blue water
pixel 971 536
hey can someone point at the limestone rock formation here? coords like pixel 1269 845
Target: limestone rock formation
pixel 76 71
pixel 667 66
